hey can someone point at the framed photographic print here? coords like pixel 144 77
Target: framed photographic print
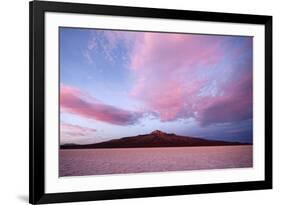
pixel 141 102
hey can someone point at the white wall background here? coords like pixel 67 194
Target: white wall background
pixel 14 100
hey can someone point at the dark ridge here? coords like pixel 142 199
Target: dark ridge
pixel 156 138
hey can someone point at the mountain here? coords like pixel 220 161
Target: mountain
pixel 156 138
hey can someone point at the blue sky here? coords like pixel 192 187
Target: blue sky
pixel 120 83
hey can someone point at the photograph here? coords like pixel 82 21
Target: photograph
pixel 132 102
pixel 135 102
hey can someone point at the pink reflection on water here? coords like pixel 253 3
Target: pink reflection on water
pixel 80 162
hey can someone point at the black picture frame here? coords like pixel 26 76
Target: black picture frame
pixel 37 194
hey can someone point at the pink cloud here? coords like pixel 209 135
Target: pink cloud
pixel 171 70
pixel 75 130
pixel 175 51
pixel 74 101
pixel 178 76
pixel 235 105
pixel 71 133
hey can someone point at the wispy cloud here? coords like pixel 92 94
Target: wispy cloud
pixel 72 133
pixel 109 42
pixel 74 101
pixel 187 83
pixel 235 105
pixel 75 130
pixel 177 76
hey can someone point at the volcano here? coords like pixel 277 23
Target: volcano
pixel 156 138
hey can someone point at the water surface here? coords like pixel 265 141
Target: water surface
pixel 79 162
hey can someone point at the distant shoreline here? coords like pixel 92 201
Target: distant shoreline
pixel 84 147
pixel 156 138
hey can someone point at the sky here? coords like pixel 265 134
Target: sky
pixel 115 84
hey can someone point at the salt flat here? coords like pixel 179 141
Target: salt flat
pixel 81 162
